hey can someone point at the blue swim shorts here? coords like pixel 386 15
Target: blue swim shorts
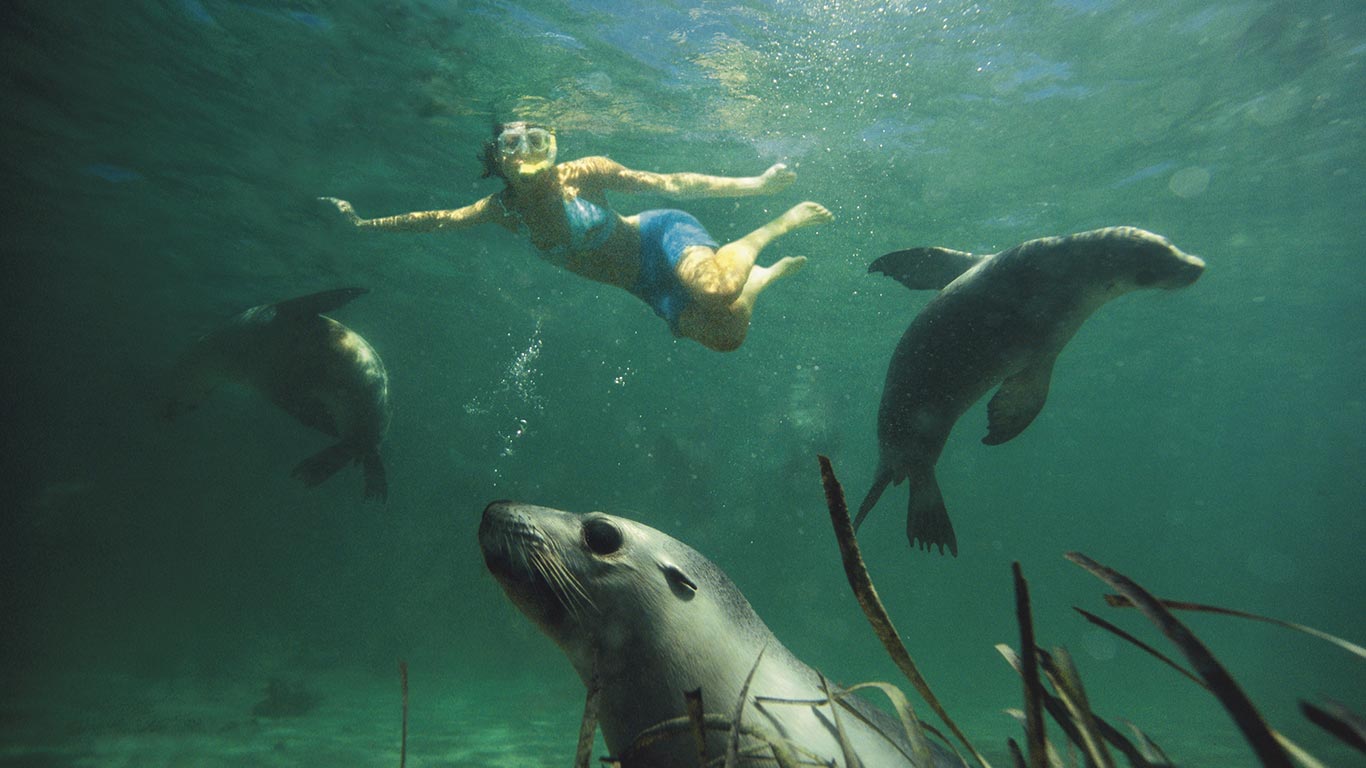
pixel 664 235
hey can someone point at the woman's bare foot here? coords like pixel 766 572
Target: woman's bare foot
pixel 804 215
pixel 760 277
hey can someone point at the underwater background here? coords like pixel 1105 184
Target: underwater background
pixel 161 167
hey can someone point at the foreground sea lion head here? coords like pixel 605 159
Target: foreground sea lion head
pixel 598 584
pixel 647 622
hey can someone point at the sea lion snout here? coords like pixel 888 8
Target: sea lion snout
pixel 505 526
pixel 1188 269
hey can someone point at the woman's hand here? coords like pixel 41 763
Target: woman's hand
pixel 345 208
pixel 777 178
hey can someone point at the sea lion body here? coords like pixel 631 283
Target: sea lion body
pixel 999 319
pixel 313 367
pixel 646 618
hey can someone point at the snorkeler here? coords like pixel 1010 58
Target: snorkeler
pixel 706 291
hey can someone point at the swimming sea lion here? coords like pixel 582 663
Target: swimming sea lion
pixel 318 370
pixel 646 618
pixel 1000 319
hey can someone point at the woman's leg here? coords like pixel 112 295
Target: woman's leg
pixel 720 277
pixel 725 283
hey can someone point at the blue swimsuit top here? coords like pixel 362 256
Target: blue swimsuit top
pixel 590 226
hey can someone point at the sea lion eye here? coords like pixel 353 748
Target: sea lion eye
pixel 601 536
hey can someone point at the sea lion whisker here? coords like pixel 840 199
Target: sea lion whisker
pixel 566 587
pixel 545 566
pixel 570 579
pixel 553 560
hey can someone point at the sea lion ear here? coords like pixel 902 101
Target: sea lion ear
pixel 683 587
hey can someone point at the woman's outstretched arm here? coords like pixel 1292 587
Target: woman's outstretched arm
pixel 684 186
pixel 423 221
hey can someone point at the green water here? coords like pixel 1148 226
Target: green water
pixel 161 165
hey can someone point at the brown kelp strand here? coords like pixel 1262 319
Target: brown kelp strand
pixel 859 580
pixel 915 733
pixel 1066 680
pixel 1029 672
pixel 1221 683
pixel 1138 756
pixel 733 745
pixel 1111 628
pixel 1120 601
pixel 588 727
pixel 1338 720
pixel 1016 759
pixel 1054 757
pixel 692 700
pixel 1294 749
pixel 770 746
pixel 1148 749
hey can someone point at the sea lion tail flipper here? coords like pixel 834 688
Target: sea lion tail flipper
pixel 925 268
pixel 376 482
pixel 1018 401
pixel 879 485
pixel 317 303
pixel 927 521
pixel 325 463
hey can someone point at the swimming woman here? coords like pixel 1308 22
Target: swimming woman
pixel 705 290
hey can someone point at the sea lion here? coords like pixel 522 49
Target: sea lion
pixel 318 370
pixel 1000 319
pixel 646 618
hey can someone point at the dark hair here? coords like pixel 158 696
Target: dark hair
pixel 488 154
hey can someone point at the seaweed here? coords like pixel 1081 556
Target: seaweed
pixel 1343 723
pixel 733 745
pixel 693 701
pixel 588 726
pixel 1029 671
pixel 1089 736
pixel 1258 734
pixel 1122 601
pixel 914 729
pixel 850 758
pixel 862 584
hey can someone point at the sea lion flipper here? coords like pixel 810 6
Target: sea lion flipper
pixel 925 268
pixel 1018 401
pixel 376 482
pixel 870 499
pixel 927 520
pixel 325 463
pixel 305 406
pixel 317 303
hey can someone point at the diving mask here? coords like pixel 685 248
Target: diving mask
pixel 521 139
pixel 531 148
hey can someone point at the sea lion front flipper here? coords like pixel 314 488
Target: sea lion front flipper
pixel 925 268
pixel 325 463
pixel 310 410
pixel 376 483
pixel 927 520
pixel 317 303
pixel 1018 401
